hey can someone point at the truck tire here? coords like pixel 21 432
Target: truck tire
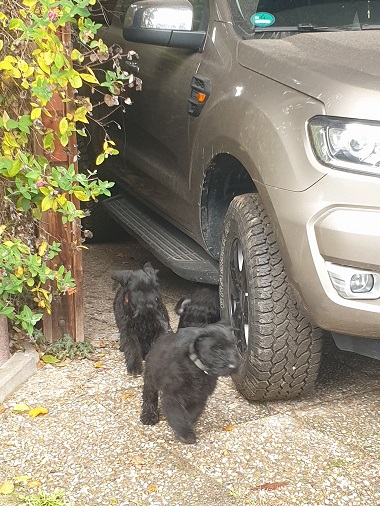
pixel 279 347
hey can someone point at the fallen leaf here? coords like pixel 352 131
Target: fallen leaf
pixel 271 486
pixel 20 408
pixel 136 461
pixel 38 411
pixel 127 395
pixel 99 365
pixel 2 409
pixel 152 488
pixel 65 363
pixel 229 428
pixel 20 479
pixel 34 484
pixel 40 365
pixel 102 344
pixel 49 359
pixel 7 487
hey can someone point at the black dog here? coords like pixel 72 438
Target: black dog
pixel 184 368
pixel 201 308
pixel 140 314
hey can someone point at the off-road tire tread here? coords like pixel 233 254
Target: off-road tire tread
pixel 284 350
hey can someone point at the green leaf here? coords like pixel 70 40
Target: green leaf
pixel 49 359
pixel 59 60
pixel 7 311
pixel 75 81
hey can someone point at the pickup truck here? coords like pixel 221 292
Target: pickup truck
pixel 251 160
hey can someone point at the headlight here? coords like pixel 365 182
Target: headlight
pixel 346 144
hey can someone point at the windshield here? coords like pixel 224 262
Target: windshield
pixel 257 17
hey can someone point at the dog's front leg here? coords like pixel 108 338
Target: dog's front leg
pixel 132 353
pixel 178 418
pixel 149 413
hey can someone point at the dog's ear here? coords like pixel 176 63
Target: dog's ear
pixel 181 305
pixel 148 269
pixel 122 277
pixel 188 335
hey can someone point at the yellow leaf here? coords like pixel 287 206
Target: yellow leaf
pixel 75 81
pixel 229 428
pixel 42 64
pixel 23 66
pixel 6 65
pixel 80 195
pixel 42 248
pixel 76 55
pixel 34 484
pixel 38 411
pixel 1 44
pixel 19 271
pixel 28 72
pixel 20 479
pixel 49 359
pixel 5 117
pixel 46 203
pixel 36 113
pixel 7 487
pixel 99 159
pixel 152 488
pixel 2 228
pixel 20 408
pixel 89 78
pixel 98 365
pixel 48 58
pixel 29 3
pixel 63 126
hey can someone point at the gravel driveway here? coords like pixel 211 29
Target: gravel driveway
pixel 321 450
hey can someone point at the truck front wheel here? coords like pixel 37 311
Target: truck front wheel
pixel 279 347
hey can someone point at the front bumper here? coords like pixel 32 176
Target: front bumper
pixel 336 220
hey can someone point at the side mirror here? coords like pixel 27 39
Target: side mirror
pixel 165 23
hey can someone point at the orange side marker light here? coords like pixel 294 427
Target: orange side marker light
pixel 201 97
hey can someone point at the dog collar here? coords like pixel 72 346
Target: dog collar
pixel 194 358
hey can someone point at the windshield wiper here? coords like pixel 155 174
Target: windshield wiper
pixel 303 28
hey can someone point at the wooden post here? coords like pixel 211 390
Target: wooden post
pixel 67 316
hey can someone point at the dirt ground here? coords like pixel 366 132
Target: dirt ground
pixel 100 261
pixel 322 449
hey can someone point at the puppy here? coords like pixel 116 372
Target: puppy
pixel 201 308
pixel 183 367
pixel 140 314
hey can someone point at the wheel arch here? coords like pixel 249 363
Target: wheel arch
pixel 225 178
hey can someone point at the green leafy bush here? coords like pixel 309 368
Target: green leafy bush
pixel 41 112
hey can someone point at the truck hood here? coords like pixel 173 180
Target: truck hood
pixel 341 69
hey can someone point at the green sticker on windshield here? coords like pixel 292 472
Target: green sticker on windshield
pixel 262 19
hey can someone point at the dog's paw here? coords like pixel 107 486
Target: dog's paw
pixel 134 369
pixel 188 439
pixel 149 418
